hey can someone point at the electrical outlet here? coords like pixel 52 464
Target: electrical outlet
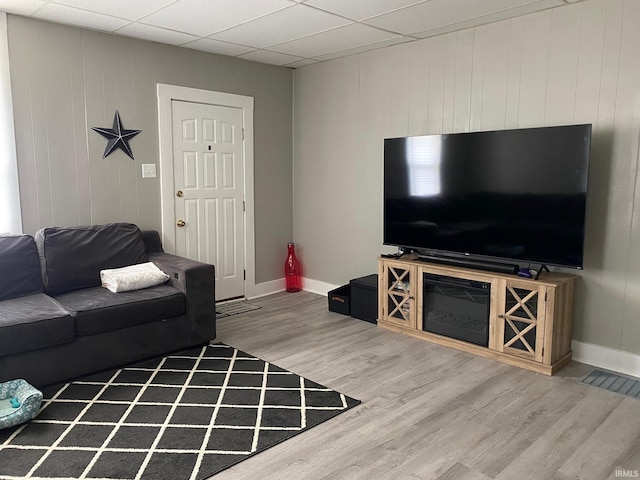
pixel 148 170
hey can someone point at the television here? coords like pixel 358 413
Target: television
pixel 514 195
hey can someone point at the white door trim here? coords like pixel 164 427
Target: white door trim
pixel 167 93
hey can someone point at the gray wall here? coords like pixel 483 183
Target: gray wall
pixel 572 64
pixel 66 80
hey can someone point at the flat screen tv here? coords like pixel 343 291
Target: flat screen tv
pixel 515 195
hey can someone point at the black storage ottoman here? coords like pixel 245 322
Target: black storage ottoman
pixel 340 300
pixel 364 298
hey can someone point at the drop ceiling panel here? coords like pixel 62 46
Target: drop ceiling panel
pixel 206 17
pixel 361 10
pixel 271 30
pixel 131 10
pixel 215 46
pixel 282 26
pixel 493 17
pixel 301 63
pixel 437 13
pixel 155 34
pixel 364 48
pixel 81 18
pixel 20 7
pixel 273 58
pixel 342 38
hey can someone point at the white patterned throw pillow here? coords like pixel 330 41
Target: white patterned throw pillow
pixel 133 277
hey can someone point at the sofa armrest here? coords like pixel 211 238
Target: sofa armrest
pixel 152 242
pixel 196 280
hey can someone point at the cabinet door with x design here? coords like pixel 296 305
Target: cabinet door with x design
pixel 520 322
pixel 397 303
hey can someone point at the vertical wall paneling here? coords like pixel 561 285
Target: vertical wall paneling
pixel 535 69
pixel 145 145
pixel 586 111
pixel 96 116
pixel 128 170
pixel 629 122
pixel 616 195
pixel 448 98
pixel 572 64
pixel 563 66
pixel 109 56
pixel 401 91
pixel 496 68
pixel 418 88
pixel 477 78
pixel 60 134
pixel 369 157
pixel 462 83
pixel 39 126
pixel 514 72
pixel 436 83
pixel 79 121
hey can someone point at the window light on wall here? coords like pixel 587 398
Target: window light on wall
pixel 10 218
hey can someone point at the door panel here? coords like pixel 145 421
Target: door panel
pixel 208 166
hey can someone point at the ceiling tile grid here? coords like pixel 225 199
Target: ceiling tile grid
pixel 289 33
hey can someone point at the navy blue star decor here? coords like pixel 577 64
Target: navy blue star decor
pixel 118 137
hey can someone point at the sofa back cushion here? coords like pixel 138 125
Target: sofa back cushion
pixel 71 257
pixel 19 267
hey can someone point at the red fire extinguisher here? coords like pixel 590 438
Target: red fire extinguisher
pixel 293 270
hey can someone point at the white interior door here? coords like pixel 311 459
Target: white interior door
pixel 209 190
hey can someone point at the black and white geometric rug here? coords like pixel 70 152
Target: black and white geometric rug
pixel 184 416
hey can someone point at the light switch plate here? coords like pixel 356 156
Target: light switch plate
pixel 148 170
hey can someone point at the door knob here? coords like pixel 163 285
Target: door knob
pixel 180 223
pixel 179 194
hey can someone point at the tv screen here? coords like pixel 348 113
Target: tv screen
pixel 510 194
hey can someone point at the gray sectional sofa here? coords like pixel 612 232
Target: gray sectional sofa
pixel 57 322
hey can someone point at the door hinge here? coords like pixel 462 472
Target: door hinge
pixel 244 274
pixel 243 134
pixel 244 206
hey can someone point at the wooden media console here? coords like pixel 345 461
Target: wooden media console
pixel 529 321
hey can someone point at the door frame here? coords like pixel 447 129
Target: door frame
pixel 168 93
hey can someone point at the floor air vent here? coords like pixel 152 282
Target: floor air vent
pixel 613 382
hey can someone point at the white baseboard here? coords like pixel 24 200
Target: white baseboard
pixel 607 358
pixel 316 286
pixel 265 288
pixel 275 286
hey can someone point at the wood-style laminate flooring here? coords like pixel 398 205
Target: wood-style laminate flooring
pixel 429 411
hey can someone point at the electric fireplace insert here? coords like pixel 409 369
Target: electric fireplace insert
pixel 456 308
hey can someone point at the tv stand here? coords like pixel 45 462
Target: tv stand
pixel 542 268
pixel 529 322
pixel 470 263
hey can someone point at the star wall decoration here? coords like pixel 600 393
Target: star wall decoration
pixel 118 137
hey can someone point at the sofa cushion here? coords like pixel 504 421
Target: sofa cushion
pixel 32 322
pixel 19 266
pixel 97 310
pixel 71 257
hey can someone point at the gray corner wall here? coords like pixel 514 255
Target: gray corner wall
pixel 66 80
pixel 572 64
